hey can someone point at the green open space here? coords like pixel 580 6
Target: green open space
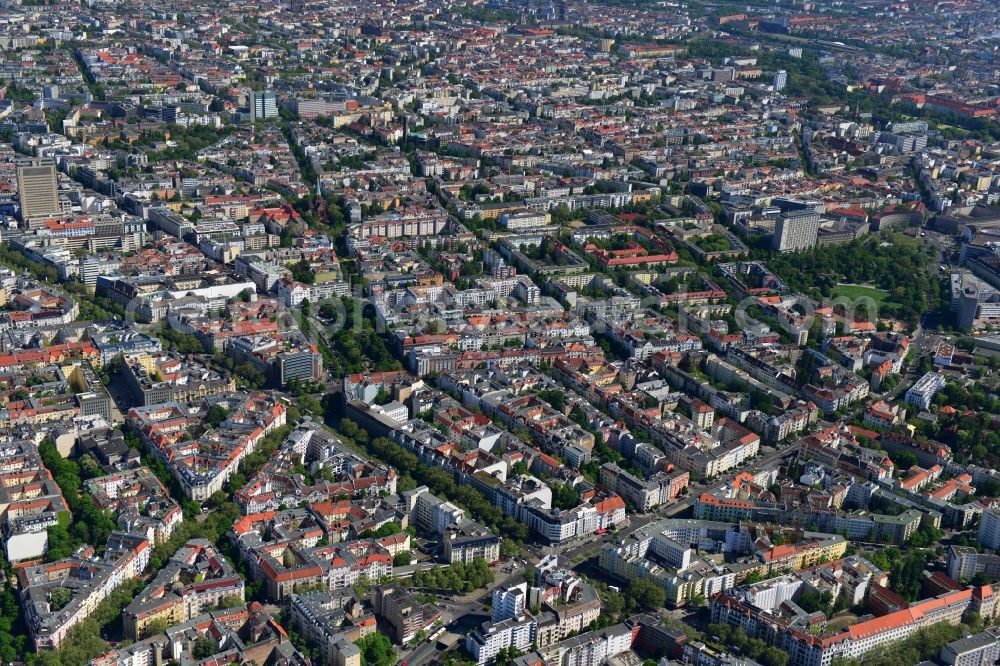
pixel 855 291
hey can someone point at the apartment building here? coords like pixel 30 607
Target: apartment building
pixel 469 541
pixel 989 529
pixel 485 642
pixel 155 379
pixel 403 612
pixel 196 579
pixel 37 191
pixel 88 578
pixel 644 494
pixel 976 650
pixel 202 466
pixel 591 648
pixel 922 393
pixel 965 563
pixel 282 549
pixel 30 501
pixel 140 502
pixel 807 649
pixel 333 621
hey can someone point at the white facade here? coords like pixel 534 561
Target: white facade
pixel 394 410
pixel 780 79
pixel 509 603
pixel 922 393
pixel 592 648
pixel 797 230
pixel 524 220
pixel 486 642
pixel 446 515
pixel 989 529
pixel 27 546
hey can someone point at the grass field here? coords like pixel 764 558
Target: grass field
pixel 942 126
pixel 859 291
pixel 834 625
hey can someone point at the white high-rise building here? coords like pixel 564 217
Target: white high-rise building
pixel 509 602
pixel 796 230
pixel 989 529
pixel 780 79
pixel 263 105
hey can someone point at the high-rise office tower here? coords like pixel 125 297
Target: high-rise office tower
pixel 263 105
pixel 36 186
pixel 796 230
pixel 780 79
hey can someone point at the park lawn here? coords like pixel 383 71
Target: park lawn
pixel 942 126
pixel 903 240
pixel 859 291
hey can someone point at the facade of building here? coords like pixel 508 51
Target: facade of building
pixel 486 642
pixel 780 80
pixel 89 580
pixel 469 541
pixel 196 579
pixel 263 105
pixel 796 230
pixel 976 650
pixel 989 529
pixel 806 649
pixel 37 191
pixel 403 612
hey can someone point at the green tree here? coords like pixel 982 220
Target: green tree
pixel 59 597
pixel 564 496
pixel 216 415
pixel 507 655
pixel 388 529
pixel 203 648
pixel 906 574
pixel 376 650
pixel 60 543
pixel 612 604
pixel 645 593
pixel 230 601
pixel 155 627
